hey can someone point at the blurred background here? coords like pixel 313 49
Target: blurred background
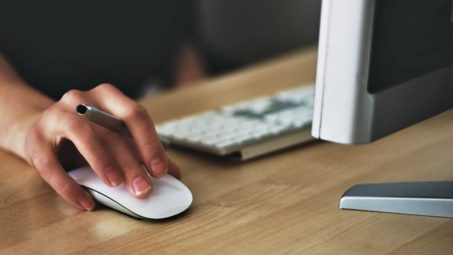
pixel 148 46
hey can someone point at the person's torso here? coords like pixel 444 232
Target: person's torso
pixel 59 45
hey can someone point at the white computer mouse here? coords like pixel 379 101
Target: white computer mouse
pixel 168 198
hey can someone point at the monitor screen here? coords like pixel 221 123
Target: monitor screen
pixel 410 39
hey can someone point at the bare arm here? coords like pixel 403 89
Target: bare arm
pixel 20 107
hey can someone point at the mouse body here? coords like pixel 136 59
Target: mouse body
pixel 168 198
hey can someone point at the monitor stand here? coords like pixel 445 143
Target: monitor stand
pixel 418 198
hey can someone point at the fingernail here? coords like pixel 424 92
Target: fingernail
pixel 141 186
pixel 86 202
pixel 113 177
pixel 158 167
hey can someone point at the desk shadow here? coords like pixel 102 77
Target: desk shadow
pixel 234 160
pixel 100 207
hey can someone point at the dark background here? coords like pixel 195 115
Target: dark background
pixel 61 45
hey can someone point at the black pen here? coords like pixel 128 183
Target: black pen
pixel 108 121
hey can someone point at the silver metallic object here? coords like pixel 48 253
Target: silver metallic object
pixel 108 121
pixel 418 198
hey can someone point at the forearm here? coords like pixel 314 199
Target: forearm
pixel 20 107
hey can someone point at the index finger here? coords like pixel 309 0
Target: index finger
pixel 47 165
pixel 139 124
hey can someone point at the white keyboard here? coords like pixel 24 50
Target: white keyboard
pixel 247 129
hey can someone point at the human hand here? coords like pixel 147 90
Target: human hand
pixel 114 158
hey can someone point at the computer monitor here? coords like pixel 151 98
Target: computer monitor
pixel 384 65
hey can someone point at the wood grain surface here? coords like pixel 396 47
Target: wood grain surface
pixel 284 203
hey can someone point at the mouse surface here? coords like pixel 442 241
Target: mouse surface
pixel 169 196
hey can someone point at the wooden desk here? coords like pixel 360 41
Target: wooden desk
pixel 283 203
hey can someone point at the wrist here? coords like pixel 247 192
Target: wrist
pixel 16 135
pixel 22 106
